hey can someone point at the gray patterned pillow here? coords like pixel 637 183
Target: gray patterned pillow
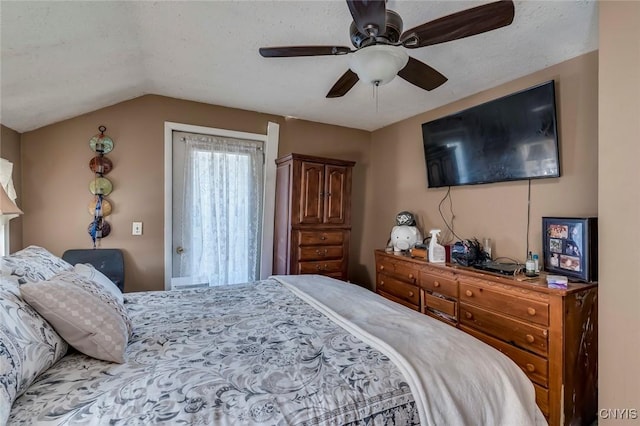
pixel 28 346
pixel 32 264
pixel 87 316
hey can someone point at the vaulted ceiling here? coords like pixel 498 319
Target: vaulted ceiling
pixel 63 59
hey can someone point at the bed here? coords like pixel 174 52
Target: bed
pixel 306 350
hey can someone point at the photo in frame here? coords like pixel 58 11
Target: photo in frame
pixel 570 247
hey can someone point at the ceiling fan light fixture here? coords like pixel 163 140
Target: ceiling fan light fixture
pixel 378 64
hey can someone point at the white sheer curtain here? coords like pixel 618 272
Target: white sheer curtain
pixel 221 228
pixel 6 168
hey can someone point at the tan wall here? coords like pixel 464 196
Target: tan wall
pixel 397 175
pixel 10 150
pixel 619 209
pixel 56 174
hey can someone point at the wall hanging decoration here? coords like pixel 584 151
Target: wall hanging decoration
pixel 100 186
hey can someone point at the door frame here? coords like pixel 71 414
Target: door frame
pixel 270 139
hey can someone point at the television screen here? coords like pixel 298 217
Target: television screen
pixel 511 138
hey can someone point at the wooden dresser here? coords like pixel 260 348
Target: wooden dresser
pixel 313 216
pixel 551 334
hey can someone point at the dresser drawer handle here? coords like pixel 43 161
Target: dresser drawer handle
pixel 531 311
pixel 411 294
pixel 530 338
pixel 410 276
pixel 324 237
pixel 530 368
pixel 469 293
pixel 382 267
pixel 381 283
pixel 469 315
pixel 436 284
pixel 321 252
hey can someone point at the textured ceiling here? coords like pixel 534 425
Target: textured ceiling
pixel 63 59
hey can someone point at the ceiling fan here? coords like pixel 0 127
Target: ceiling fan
pixel 376 33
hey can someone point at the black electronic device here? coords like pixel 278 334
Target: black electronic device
pixel 499 268
pixel 511 138
pixel 468 253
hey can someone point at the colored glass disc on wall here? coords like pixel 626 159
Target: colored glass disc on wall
pixel 101 165
pixel 100 186
pixel 101 144
pixel 105 209
pixel 99 228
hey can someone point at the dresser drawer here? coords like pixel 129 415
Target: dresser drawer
pixel 398 269
pixel 399 300
pixel 441 317
pixel 524 335
pixel 535 367
pixel 445 286
pixel 441 304
pixel 314 238
pixel 542 399
pixel 401 289
pixel 319 252
pixel 336 275
pixel 321 267
pixel 529 310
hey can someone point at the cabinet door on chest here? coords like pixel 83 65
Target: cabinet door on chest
pixel 311 193
pixel 336 194
pixel 324 194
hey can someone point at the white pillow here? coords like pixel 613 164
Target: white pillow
pixel 88 271
pixel 89 318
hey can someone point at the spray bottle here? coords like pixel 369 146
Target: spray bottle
pixel 437 253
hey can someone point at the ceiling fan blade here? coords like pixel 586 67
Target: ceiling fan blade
pixel 343 85
pixel 422 75
pixel 291 51
pixel 369 15
pixel 462 24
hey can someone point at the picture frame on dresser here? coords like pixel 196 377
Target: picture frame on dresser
pixel 570 247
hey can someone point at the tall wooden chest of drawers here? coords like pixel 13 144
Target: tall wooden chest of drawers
pixel 551 334
pixel 312 216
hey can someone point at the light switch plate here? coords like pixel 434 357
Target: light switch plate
pixel 136 229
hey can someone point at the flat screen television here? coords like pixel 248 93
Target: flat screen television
pixel 511 138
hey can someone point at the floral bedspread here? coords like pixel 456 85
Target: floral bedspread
pixel 244 354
